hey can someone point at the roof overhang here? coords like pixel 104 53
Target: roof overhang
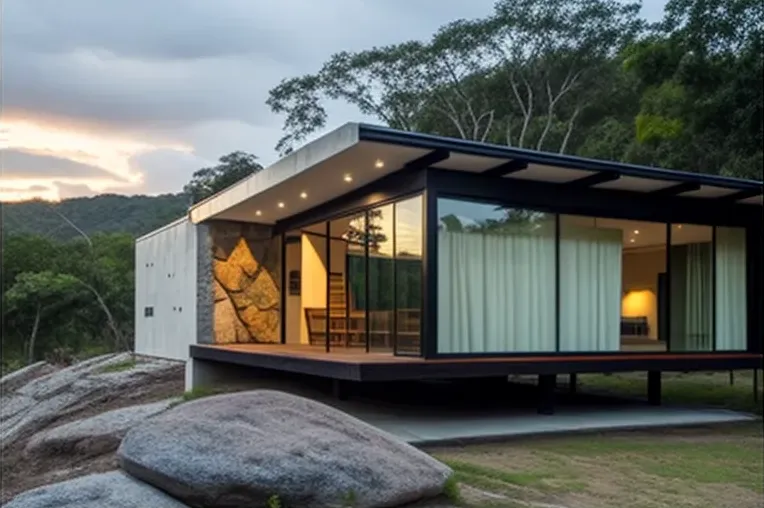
pixel 356 155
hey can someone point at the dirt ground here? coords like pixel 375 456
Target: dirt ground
pixel 715 467
pixel 19 473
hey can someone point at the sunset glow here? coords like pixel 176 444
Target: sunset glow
pixel 109 151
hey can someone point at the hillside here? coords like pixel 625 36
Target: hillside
pixel 107 213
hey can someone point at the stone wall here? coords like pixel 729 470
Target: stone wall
pixel 246 279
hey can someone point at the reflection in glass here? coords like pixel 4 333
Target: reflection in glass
pixel 381 273
pixel 496 278
pixel 408 275
pixel 354 234
pixel 731 301
pixel 691 288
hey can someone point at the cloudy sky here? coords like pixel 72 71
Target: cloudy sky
pixel 133 96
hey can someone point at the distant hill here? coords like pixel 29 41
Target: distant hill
pixel 106 213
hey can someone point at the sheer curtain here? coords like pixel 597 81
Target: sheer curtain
pixel 496 291
pixel 691 297
pixel 590 288
pixel 731 301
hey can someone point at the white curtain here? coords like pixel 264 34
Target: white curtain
pixel 496 292
pixel 691 297
pixel 590 288
pixel 731 325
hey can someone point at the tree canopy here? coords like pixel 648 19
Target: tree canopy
pixel 587 77
pixel 232 168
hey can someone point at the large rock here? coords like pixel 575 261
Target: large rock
pixel 107 490
pixel 96 435
pixel 240 449
pixel 17 378
pixel 48 398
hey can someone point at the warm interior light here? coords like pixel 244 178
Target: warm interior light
pixel 679 226
pixel 636 231
pixel 281 204
pixel 348 178
pixel 379 164
pixel 258 213
pixel 632 240
pixel 303 195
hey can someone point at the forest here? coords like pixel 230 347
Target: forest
pixel 584 77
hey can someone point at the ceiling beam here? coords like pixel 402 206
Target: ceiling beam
pixel 595 179
pixel 740 195
pixel 677 189
pixel 426 160
pixel 507 168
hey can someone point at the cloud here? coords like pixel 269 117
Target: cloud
pixel 76 190
pixel 165 85
pixel 22 164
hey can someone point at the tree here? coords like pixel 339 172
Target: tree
pixel 521 76
pixel 233 168
pixel 701 76
pixel 37 296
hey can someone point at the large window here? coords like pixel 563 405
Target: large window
pixel 496 279
pixel 692 293
pixel 731 302
pixel 612 285
pixel 408 275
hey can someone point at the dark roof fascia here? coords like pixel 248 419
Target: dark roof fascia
pixel 379 134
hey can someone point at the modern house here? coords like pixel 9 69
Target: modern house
pixel 373 254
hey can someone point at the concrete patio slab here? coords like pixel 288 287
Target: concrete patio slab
pixel 443 429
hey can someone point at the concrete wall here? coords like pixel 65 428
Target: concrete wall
pixel 166 286
pixel 246 285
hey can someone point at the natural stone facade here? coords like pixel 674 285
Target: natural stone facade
pixel 246 270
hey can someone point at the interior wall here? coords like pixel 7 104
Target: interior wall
pixel 313 274
pixel 640 286
pixel 246 286
pixel 293 302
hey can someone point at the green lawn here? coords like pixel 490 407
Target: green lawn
pixel 698 388
pixel 708 467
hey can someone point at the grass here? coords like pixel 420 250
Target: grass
pixel 200 392
pixel 700 388
pixel 702 467
pixel 118 367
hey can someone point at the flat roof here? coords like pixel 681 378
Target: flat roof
pixel 355 155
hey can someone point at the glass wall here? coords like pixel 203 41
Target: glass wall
pixel 692 292
pixel 381 277
pixel 408 275
pixel 612 284
pixel 731 295
pixel 496 279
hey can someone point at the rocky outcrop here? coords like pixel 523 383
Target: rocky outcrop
pixel 112 490
pixel 15 379
pixel 240 449
pixel 48 398
pixel 96 435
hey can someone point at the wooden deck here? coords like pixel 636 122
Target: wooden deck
pixel 356 365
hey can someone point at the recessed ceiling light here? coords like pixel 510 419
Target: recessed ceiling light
pixel 379 164
pixel 348 178
pixel 636 231
pixel 679 226
pixel 303 195
pixel 281 204
pixel 632 240
pixel 258 213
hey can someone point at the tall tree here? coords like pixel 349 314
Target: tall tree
pixel 521 76
pixel 232 168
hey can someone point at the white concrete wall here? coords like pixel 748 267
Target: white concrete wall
pixel 166 280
